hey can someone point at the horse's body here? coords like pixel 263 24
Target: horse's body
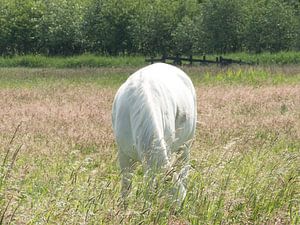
pixel 154 115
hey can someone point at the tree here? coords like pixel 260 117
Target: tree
pixel 64 27
pixel 108 26
pixel 19 23
pixel 222 25
pixel 4 28
pixel 185 37
pixel 153 26
pixel 60 31
pixel 271 26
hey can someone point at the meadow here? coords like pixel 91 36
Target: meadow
pixel 58 158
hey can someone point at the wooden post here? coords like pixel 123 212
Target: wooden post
pixel 163 58
pixel 191 60
pixel 221 59
pixel 177 60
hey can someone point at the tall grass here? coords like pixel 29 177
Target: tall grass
pixel 267 58
pixel 90 60
pixel 86 60
pixel 7 162
pixel 245 157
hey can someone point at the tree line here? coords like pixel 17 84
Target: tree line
pixel 150 27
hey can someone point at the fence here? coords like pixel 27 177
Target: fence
pixel 177 60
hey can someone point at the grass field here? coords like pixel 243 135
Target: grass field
pixel 58 159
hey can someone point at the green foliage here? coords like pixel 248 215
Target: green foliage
pixel 112 27
pixel 222 25
pixel 153 25
pixel 108 27
pixel 270 26
pixel 3 26
pixel 19 26
pixel 185 37
pixel 60 30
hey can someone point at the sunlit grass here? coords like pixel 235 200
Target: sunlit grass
pixel 55 128
pixel 114 77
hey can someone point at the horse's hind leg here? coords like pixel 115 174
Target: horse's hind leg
pixel 180 178
pixel 127 166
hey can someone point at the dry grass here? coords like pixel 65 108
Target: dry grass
pixel 247 110
pixel 83 114
pixel 245 158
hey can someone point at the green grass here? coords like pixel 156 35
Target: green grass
pixel 279 58
pixel 86 60
pixel 47 77
pixel 249 75
pixel 113 77
pixel 265 58
pixel 256 185
pixel 90 60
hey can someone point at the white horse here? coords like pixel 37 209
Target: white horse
pixel 154 115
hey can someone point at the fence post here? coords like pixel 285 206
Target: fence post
pixel 163 58
pixel 152 59
pixel 177 60
pixel 191 60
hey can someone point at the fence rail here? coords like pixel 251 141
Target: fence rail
pixel 178 60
